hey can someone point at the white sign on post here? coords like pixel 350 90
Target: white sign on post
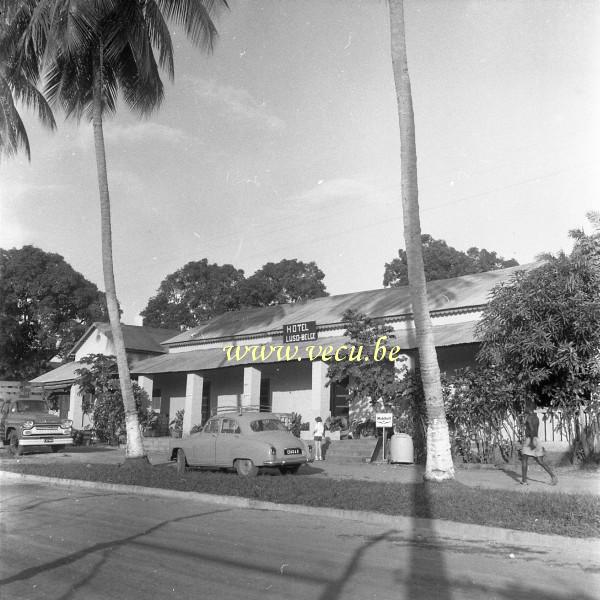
pixel 383 420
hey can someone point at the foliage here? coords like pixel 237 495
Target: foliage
pixel 19 77
pixel 366 428
pixel 176 425
pixel 193 294
pixel 373 379
pixel 338 423
pixel 295 424
pixel 542 329
pixel 200 291
pixel 284 282
pixel 45 306
pixel 442 262
pixel 483 414
pixel 99 382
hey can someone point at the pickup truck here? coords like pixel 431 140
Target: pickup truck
pixel 25 422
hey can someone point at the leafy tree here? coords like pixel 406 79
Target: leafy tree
pixel 442 262
pixel 193 294
pixel 542 328
pixel 284 282
pixel 101 397
pixel 91 52
pixel 19 76
pixel 45 306
pixel 483 413
pixel 439 464
pixel 200 291
pixel 374 379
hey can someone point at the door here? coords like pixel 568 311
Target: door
pixel 339 399
pixel 204 444
pixel 228 443
pixel 265 400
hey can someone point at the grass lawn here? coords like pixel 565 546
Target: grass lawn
pixel 550 513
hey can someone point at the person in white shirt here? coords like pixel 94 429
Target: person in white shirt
pixel 318 433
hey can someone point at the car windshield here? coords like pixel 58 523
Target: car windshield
pixel 31 406
pixel 267 425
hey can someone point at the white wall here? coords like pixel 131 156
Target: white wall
pixel 96 343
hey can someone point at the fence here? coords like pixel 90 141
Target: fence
pixel 10 390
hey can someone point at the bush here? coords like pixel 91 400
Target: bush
pixel 295 424
pixel 102 398
pixel 176 425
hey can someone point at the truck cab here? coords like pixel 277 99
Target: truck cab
pixel 28 422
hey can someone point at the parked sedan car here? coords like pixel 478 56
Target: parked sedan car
pixel 245 442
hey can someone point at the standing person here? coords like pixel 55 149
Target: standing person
pixel 532 446
pixel 318 433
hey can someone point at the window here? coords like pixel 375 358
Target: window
pixel 156 400
pixel 230 426
pixel 267 425
pixel 212 426
pixel 24 406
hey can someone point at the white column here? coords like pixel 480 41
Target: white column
pixel 147 384
pixel 251 396
pixel 75 412
pixel 320 393
pixel 193 402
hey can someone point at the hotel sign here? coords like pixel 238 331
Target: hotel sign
pixel 300 332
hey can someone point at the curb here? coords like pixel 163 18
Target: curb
pixel 424 529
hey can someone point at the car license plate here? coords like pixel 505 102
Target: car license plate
pixel 292 451
pixel 48 440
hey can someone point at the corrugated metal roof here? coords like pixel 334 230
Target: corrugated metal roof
pixel 136 337
pixel 446 294
pixel 63 374
pixel 451 334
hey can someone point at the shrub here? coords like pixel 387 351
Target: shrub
pixel 295 424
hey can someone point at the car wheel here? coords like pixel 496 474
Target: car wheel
pixel 290 470
pixel 13 444
pixel 181 462
pixel 246 468
pixel 57 448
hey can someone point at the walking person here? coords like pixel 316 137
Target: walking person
pixel 318 434
pixel 532 446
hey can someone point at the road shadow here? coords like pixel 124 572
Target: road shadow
pixel 432 581
pixel 426 576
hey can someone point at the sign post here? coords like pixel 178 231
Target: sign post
pixel 383 420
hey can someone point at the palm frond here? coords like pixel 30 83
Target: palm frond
pixel 141 94
pixel 13 134
pixel 194 16
pixel 160 37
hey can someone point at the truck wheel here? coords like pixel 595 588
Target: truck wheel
pixel 57 448
pixel 181 462
pixel 246 468
pixel 13 444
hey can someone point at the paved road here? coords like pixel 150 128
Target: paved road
pixel 64 544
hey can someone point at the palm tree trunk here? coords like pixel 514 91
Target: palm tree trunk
pixel 135 447
pixel 439 459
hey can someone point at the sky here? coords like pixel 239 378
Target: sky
pixel 284 143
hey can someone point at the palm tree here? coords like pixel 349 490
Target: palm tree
pixel 91 51
pixel 439 460
pixel 18 80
